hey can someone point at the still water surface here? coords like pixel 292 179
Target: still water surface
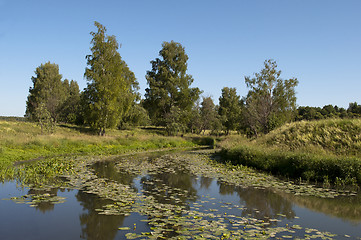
pixel 77 217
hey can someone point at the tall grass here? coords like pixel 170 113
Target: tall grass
pixel 325 151
pixel 337 136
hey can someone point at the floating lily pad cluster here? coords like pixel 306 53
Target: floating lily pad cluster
pixel 35 199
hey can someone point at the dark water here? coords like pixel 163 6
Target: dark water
pixel 77 218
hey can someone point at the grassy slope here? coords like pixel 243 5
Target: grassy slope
pixel 325 151
pixel 333 136
pixel 23 141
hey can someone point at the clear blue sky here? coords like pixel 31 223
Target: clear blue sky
pixel 317 41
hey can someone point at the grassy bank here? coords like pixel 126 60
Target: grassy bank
pixel 21 141
pixel 325 151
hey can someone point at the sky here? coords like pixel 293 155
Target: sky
pixel 316 41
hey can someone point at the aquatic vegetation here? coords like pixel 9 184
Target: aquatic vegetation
pixel 34 200
pixel 165 196
pixel 40 172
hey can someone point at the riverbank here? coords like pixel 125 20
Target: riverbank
pixel 326 151
pixel 23 141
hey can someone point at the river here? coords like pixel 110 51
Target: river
pixel 168 196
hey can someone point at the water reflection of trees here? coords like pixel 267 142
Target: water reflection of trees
pixel 162 186
pixel 205 182
pixel 108 170
pixel 170 186
pixel 260 203
pixel 346 208
pixel 94 225
pixel 99 226
pixel 264 203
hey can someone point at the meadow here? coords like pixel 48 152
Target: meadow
pixel 23 141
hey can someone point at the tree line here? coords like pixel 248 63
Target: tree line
pixel 111 98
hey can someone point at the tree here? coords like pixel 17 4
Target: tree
pixel 70 109
pixel 47 92
pixel 136 116
pixel 43 117
pixel 195 122
pixel 354 109
pixel 309 113
pixel 229 109
pixel 327 111
pixel 173 123
pixel 111 87
pixel 169 85
pixel 208 114
pixel 271 101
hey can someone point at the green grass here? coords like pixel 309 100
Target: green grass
pixel 335 136
pixel 327 151
pixel 21 141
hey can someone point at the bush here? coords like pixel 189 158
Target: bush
pixel 204 141
pixel 296 165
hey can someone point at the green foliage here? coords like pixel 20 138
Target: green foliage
pixel 169 85
pixel 45 171
pixel 204 141
pixel 47 90
pixel 52 100
pixel 354 110
pixel 44 118
pixel 311 167
pixel 229 109
pixel 70 110
pixel 136 116
pixel 173 123
pixel 208 114
pixel 111 88
pixel 327 111
pixel 195 121
pixel 271 101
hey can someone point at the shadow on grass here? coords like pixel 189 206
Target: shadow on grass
pixel 155 130
pixel 81 129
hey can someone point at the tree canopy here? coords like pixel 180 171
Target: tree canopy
pixel 111 87
pixel 208 114
pixel 70 109
pixel 229 109
pixel 169 88
pixel 111 98
pixel 271 100
pixel 47 91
